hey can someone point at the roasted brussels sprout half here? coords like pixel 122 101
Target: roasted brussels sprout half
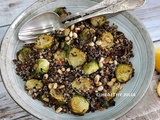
pixel 123 72
pixel 106 40
pixel 60 55
pixel 91 67
pixel 98 20
pixel 79 105
pixel 23 55
pixel 61 11
pixel 57 95
pixel 85 35
pixel 33 84
pixel 83 84
pixel 76 57
pixel 111 93
pixel 42 66
pixel 44 41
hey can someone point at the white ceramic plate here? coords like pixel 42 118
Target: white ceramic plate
pixel 133 90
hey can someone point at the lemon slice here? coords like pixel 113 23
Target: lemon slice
pixel 157 58
pixel 158 89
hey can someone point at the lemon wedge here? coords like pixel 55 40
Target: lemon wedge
pixel 157 58
pixel 158 89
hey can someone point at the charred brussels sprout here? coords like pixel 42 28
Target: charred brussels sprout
pixel 79 105
pixel 23 55
pixel 61 11
pixel 124 72
pixel 33 84
pixel 98 20
pixel 106 40
pixel 57 95
pixel 81 84
pixel 76 57
pixel 85 34
pixel 44 42
pixel 111 93
pixel 91 67
pixel 42 66
pixel 60 55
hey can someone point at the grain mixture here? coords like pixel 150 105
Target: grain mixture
pixel 78 69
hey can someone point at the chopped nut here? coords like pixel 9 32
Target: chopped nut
pixel 59 110
pixel 110 83
pixel 30 92
pixel 117 42
pixel 92 31
pixel 58 52
pixel 107 60
pixel 72 27
pixel 96 79
pixel 41 56
pixel 75 35
pixel 98 42
pixel 46 99
pixel 68 69
pixel 67 38
pixel 94 39
pixel 110 61
pixel 35 94
pixel 102 73
pixel 50 85
pixel 50 53
pixel 100 108
pixel 96 90
pixel 100 64
pixel 63 69
pixel 101 59
pixel 77 29
pixel 91 44
pixel 68 42
pixel 60 71
pixel 62 86
pixel 34 90
pixel 55 85
pixel 99 84
pixel 107 50
pixel 45 76
pixel 100 88
pixel 115 62
pixel 71 34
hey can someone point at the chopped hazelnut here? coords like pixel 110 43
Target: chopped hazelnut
pixel 59 110
pixel 100 88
